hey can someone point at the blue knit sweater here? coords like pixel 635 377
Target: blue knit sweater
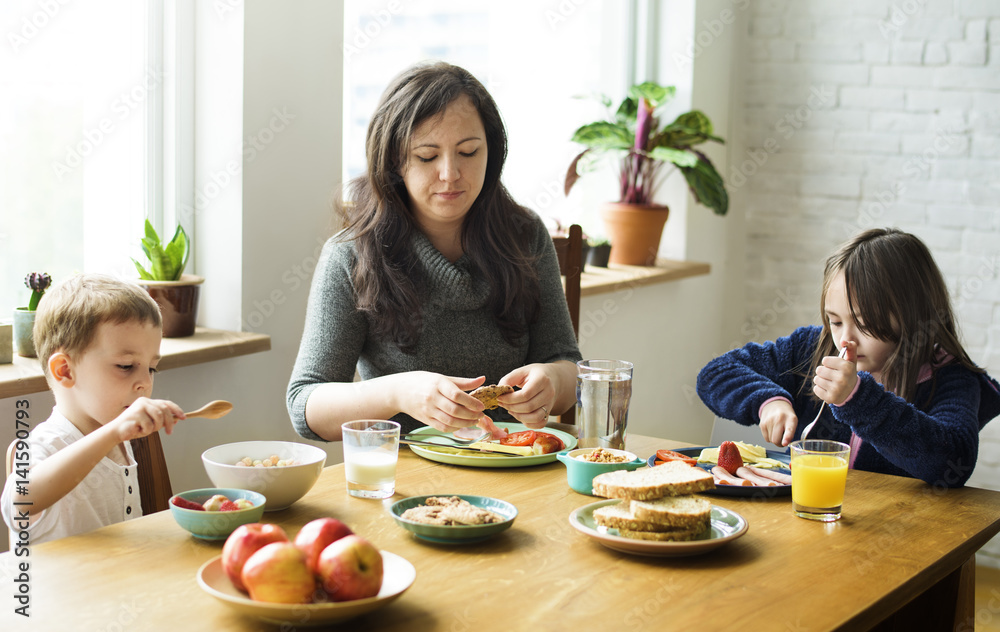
pixel 935 439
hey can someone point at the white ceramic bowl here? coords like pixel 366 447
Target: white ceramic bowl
pixel 280 485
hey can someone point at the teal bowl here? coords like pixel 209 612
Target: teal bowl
pixel 580 474
pixel 456 534
pixel 216 525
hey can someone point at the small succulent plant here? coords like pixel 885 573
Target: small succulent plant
pixel 166 262
pixel 37 282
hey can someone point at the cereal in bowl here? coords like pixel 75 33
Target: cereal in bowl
pixel 271 461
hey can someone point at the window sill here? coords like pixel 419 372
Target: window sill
pixel 621 277
pixel 25 376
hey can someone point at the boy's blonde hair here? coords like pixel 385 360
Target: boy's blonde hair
pixel 69 313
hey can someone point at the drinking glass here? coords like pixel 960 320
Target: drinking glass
pixel 819 477
pixel 603 393
pixel 371 449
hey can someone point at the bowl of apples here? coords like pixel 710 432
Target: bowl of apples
pixel 325 574
pixel 284 471
pixel 212 513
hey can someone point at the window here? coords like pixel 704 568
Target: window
pixel 81 84
pixel 534 58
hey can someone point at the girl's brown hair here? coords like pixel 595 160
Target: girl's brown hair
pixel 387 274
pixel 896 294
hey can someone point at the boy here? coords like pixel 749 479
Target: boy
pixel 98 340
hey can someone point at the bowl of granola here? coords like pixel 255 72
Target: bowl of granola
pixel 283 471
pixel 453 518
pixel 583 464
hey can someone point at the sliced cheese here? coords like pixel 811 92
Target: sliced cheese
pixel 520 450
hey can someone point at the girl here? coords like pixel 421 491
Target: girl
pixel 439 283
pixel 905 395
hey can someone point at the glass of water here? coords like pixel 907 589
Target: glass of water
pixel 603 393
pixel 371 449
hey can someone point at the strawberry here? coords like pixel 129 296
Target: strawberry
pixel 229 505
pixel 187 504
pixel 729 457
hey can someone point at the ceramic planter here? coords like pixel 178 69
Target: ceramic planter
pixel 24 322
pixel 635 231
pixel 599 255
pixel 178 301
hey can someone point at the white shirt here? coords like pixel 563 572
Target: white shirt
pixel 109 494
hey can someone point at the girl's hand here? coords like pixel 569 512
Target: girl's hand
pixel 531 404
pixel 836 377
pixel 778 422
pixel 440 401
pixel 146 416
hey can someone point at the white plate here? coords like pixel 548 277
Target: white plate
pixel 455 456
pixel 725 527
pixel 398 576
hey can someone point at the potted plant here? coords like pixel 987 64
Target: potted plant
pixel 633 137
pixel 175 292
pixel 600 252
pixel 24 317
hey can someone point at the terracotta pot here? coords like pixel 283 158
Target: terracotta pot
pixel 178 301
pixel 635 231
pixel 24 322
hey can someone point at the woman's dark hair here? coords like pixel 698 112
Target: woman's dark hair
pixel 387 274
pixel 896 293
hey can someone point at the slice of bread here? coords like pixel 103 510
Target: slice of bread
pixel 619 516
pixel 670 479
pixel 675 511
pixel 679 535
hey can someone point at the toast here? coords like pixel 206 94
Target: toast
pixel 488 394
pixel 670 479
pixel 619 516
pixel 675 511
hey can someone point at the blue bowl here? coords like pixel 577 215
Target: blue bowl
pixel 216 525
pixel 580 474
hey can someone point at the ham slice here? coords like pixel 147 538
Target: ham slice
pixel 758 481
pixel 474 432
pixel 783 479
pixel 722 477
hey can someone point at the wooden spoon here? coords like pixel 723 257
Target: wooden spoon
pixel 212 410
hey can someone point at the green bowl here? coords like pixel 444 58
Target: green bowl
pixel 580 474
pixel 216 525
pixel 455 534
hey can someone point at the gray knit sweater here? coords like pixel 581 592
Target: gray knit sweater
pixel 459 336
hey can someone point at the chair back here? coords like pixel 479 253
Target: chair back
pixel 569 250
pixel 154 479
pixel 9 467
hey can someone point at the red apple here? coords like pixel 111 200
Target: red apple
pixel 316 536
pixel 243 542
pixel 351 568
pixel 278 573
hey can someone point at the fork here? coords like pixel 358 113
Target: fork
pixel 805 432
pixel 455 440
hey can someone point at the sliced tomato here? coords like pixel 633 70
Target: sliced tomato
pixel 554 439
pixel 670 455
pixel 525 437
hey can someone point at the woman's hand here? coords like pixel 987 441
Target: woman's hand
pixel 836 377
pixel 778 422
pixel 533 404
pixel 440 401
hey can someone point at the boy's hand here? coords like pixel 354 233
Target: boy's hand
pixel 146 416
pixel 778 422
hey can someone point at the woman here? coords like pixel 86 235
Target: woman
pixel 439 283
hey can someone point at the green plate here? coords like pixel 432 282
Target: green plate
pixel 725 527
pixel 470 458
pixel 457 534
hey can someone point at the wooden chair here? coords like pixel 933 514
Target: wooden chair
pixel 154 480
pixel 569 250
pixel 9 467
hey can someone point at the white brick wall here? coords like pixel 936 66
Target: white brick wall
pixel 872 113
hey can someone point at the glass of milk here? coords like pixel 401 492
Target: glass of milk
pixel 371 449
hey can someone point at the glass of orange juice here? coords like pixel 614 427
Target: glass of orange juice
pixel 819 476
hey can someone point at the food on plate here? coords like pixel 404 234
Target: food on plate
pixel 670 479
pixel 350 568
pixel 546 443
pixel 318 534
pixel 524 443
pixel 751 455
pixel 663 456
pixel 623 518
pixel 218 502
pixel 187 504
pixel 520 450
pixel 783 479
pixel 674 511
pixel 488 394
pixel 260 560
pixel 450 510
pixel 243 542
pixel 729 457
pixel 271 461
pixel 758 481
pixel 722 477
pixel 525 437
pixel 600 455
pixel 278 573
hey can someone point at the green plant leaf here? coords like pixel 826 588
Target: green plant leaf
pixel 696 120
pixel 177 252
pixel 656 94
pixel 627 113
pixel 679 157
pixel 151 234
pixel 603 135
pixel 706 185
pixel 143 273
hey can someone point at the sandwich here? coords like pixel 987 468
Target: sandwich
pixel 670 479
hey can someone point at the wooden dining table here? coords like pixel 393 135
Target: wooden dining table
pixel 902 551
